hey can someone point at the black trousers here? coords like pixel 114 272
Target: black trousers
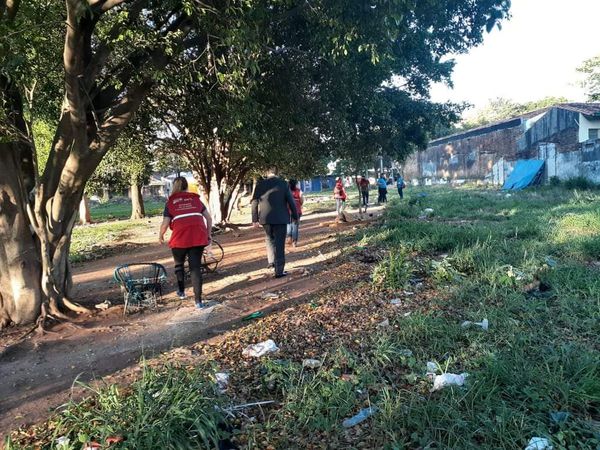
pixel 194 257
pixel 275 240
pixel 365 197
pixel 382 195
pixel 400 193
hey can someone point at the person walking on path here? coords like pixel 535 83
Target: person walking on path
pixel 363 186
pixel 382 189
pixel 400 185
pixel 191 226
pixel 339 194
pixel 294 225
pixel 272 206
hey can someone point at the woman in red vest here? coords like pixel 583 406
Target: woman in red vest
pixel 292 228
pixel 191 225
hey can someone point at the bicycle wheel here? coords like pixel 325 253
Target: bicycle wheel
pixel 210 261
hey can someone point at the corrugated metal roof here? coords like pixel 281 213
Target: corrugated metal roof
pixel 590 110
pixel 587 109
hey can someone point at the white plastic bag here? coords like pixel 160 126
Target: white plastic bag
pixel 484 324
pixel 222 380
pixel 311 363
pixel 260 349
pixel 539 443
pixel 448 379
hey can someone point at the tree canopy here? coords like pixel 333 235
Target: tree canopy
pixel 274 81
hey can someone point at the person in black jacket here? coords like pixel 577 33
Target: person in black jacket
pixel 270 203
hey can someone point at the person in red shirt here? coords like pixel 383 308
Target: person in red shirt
pixel 363 185
pixel 294 225
pixel 191 225
pixel 339 194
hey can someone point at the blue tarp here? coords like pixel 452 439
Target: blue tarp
pixel 527 172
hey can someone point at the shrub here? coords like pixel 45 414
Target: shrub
pixel 580 183
pixel 394 271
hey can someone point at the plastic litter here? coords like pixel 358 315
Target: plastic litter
pixel 395 301
pixel 222 380
pixel 484 324
pixel 550 261
pixel 362 415
pixel 311 363
pixel 448 379
pixel 260 349
pixel 559 417
pixel 539 443
pixel 269 296
pixel 104 305
pixel 254 315
pixel 431 367
pixel 428 210
pixel 62 442
pixel 406 353
pixel 383 324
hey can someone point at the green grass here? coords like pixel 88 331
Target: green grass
pixel 527 262
pixel 121 209
pixel 94 241
pixel 540 355
pixel 165 409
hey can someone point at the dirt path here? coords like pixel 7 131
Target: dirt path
pixel 37 374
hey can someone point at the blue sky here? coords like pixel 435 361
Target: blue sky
pixel 534 55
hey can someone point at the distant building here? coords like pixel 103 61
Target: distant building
pixel 566 136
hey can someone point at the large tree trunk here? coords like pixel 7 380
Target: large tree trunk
pixel 20 295
pixel 137 202
pixel 35 272
pixel 219 175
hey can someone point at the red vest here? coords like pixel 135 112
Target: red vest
pixel 296 196
pixel 188 227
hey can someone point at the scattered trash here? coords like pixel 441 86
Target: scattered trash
pixel 362 415
pixel 114 440
pixel 484 324
pixel 269 296
pixel 428 210
pixel 104 305
pixel 508 195
pixel 396 301
pixel 431 369
pixel 254 315
pixel 550 261
pixel 406 353
pixel 538 443
pixel 246 405
pixel 311 363
pixel 515 273
pixel 406 314
pixel 92 446
pixel 559 417
pixel 222 379
pixel 63 442
pixel 448 379
pixel 384 324
pixel 408 293
pixel 260 349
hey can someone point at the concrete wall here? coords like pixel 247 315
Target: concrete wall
pixel 470 158
pixel 584 127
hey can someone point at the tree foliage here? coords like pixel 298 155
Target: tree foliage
pixel 590 68
pixel 272 81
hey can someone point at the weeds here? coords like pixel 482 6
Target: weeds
pixel 394 271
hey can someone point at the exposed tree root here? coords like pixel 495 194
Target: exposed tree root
pixel 76 307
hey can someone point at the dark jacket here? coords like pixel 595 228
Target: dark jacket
pixel 270 202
